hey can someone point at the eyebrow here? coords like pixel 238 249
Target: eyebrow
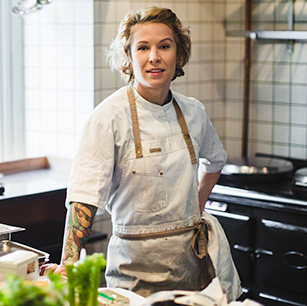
pixel 161 41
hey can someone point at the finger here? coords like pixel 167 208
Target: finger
pixel 60 269
pixel 50 267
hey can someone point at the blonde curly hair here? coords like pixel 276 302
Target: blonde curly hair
pixel 119 53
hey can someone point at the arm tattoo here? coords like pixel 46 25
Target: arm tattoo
pixel 79 222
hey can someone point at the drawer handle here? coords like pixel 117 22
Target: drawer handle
pixel 296 260
pixel 242 248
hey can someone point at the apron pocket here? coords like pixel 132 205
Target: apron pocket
pixel 148 191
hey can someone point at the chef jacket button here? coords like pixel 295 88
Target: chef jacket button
pixel 161 117
pixel 161 173
pixel 133 171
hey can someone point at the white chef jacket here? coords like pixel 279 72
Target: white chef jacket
pixel 152 194
pixel 107 135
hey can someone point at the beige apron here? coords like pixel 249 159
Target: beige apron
pixel 145 255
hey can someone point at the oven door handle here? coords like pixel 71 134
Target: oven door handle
pixel 261 252
pixel 254 254
pixel 242 248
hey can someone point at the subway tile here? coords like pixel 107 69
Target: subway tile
pixel 47 56
pixel 64 34
pixel 280 149
pixel 299 115
pixel 84 57
pixel 65 78
pixel 65 122
pixel 49 121
pixel 193 11
pixel 66 101
pixel 298 152
pixel 107 11
pixel 299 73
pixel 233 90
pixel 281 73
pixel 281 133
pixel 234 12
pixel 84 12
pixel 281 93
pixel 64 12
pixel 48 100
pixel 32 56
pixel 281 113
pixel 84 78
pixel 299 135
pixel 84 101
pixel 83 35
pixel 121 10
pixel 65 57
pixel 262 112
pixel 47 34
pixel 299 94
pixel 300 9
pixel 300 53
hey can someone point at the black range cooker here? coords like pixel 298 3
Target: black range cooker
pixel 264 214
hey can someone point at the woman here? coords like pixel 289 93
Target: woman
pixel 138 158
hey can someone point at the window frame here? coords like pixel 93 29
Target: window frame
pixel 12 118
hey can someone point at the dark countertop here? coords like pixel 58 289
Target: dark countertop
pixel 248 194
pixel 37 181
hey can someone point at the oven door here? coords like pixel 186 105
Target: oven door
pixel 282 257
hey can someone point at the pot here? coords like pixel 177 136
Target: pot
pixel 258 169
pixel 300 178
pixel 299 183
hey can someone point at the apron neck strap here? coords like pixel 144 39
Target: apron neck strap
pixel 136 128
pixel 135 123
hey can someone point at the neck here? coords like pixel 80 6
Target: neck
pixel 158 96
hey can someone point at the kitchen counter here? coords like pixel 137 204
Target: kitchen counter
pixel 38 181
pixel 254 195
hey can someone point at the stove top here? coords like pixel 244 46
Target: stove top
pixel 276 187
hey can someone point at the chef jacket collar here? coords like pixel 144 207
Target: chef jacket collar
pixel 155 108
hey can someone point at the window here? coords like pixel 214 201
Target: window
pixel 11 84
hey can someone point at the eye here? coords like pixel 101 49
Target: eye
pixel 165 47
pixel 142 48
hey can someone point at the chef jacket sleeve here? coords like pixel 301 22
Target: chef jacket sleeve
pixel 212 153
pixel 92 169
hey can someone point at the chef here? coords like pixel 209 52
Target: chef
pixel 139 158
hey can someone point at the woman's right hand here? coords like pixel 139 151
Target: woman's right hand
pixel 57 269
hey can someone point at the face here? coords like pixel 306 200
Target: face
pixel 153 53
pixel 84 215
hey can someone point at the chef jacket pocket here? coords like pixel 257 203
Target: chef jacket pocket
pixel 148 190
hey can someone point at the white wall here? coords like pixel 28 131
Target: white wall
pixel 59 76
pixel 66 74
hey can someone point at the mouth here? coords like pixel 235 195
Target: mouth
pixel 156 70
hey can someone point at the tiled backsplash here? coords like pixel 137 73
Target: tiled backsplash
pixel 66 73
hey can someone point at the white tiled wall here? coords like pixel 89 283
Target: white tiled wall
pixel 59 76
pixel 66 74
pixel 278 98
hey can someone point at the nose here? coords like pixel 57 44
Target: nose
pixel 154 56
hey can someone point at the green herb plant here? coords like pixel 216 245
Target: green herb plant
pixel 81 288
pixel 15 291
pixel 84 279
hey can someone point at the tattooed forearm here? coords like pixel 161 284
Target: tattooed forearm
pixel 79 222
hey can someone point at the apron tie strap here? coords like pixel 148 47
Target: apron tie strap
pixel 199 241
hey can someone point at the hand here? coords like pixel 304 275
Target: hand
pixel 57 269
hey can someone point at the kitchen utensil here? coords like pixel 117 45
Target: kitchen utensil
pixel 300 178
pixel 299 182
pixel 257 168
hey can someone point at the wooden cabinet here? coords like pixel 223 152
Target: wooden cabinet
pixel 269 247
